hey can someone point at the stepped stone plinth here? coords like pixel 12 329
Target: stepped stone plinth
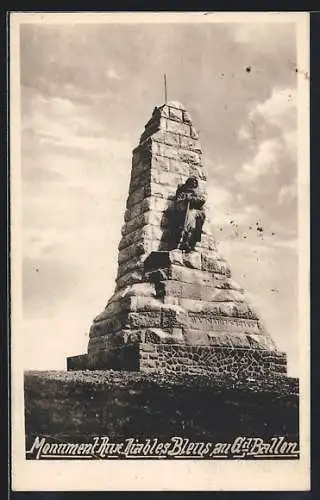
pixel 175 307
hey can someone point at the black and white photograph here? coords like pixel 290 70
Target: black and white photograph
pixel 159 251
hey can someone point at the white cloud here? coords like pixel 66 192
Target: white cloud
pixel 218 195
pixel 266 160
pixel 60 126
pixel 279 109
pixel 244 134
pixel 111 73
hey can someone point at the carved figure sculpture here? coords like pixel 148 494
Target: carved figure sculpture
pixel 189 216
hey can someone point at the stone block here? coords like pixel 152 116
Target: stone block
pixel 148 204
pixel 213 340
pixel 150 129
pixel 110 324
pixel 166 192
pixel 195 337
pixel 136 182
pixel 157 219
pixel 129 279
pixel 161 163
pixel 168 178
pixel 226 295
pixel 134 211
pixel 117 303
pixel 176 114
pixel 168 138
pixel 237 309
pixel 177 335
pixel 136 157
pixel 176 256
pixel 233 325
pixel 145 303
pixel 208 242
pixel 77 362
pixel 130 252
pixel 135 250
pixel 169 300
pixel 190 144
pixel 167 151
pixel 240 341
pixel 199 320
pixel 120 304
pixel 223 341
pixel 210 263
pixel 195 305
pixel 188 290
pixel 130 265
pixel 139 290
pixel 159 176
pixel 172 139
pixel 186 117
pixel 178 128
pixel 189 156
pixel 135 236
pixel 193 260
pixel 140 180
pixel 136 196
pixel 173 288
pixel 146 232
pixel 142 166
pixel 180 167
pixel 189 275
pixel 164 111
pixel 160 204
pixel 135 223
pixel 172 318
pixel 149 319
pixel 198 171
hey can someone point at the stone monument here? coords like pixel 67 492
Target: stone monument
pixel 175 308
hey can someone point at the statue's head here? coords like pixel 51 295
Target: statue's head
pixel 192 183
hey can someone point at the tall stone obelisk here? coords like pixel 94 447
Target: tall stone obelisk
pixel 175 307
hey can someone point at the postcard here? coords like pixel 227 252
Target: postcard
pixel 159 196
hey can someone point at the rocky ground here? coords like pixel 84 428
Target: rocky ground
pixel 79 405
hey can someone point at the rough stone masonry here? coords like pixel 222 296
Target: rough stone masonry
pixel 175 308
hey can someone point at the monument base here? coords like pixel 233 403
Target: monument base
pixel 187 359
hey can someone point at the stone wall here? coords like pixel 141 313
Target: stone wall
pixel 201 360
pixel 163 358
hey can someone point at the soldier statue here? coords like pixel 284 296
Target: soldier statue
pixel 189 216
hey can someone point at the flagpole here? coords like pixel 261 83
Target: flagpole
pixel 165 89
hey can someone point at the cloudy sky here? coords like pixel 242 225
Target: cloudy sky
pixel 86 93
